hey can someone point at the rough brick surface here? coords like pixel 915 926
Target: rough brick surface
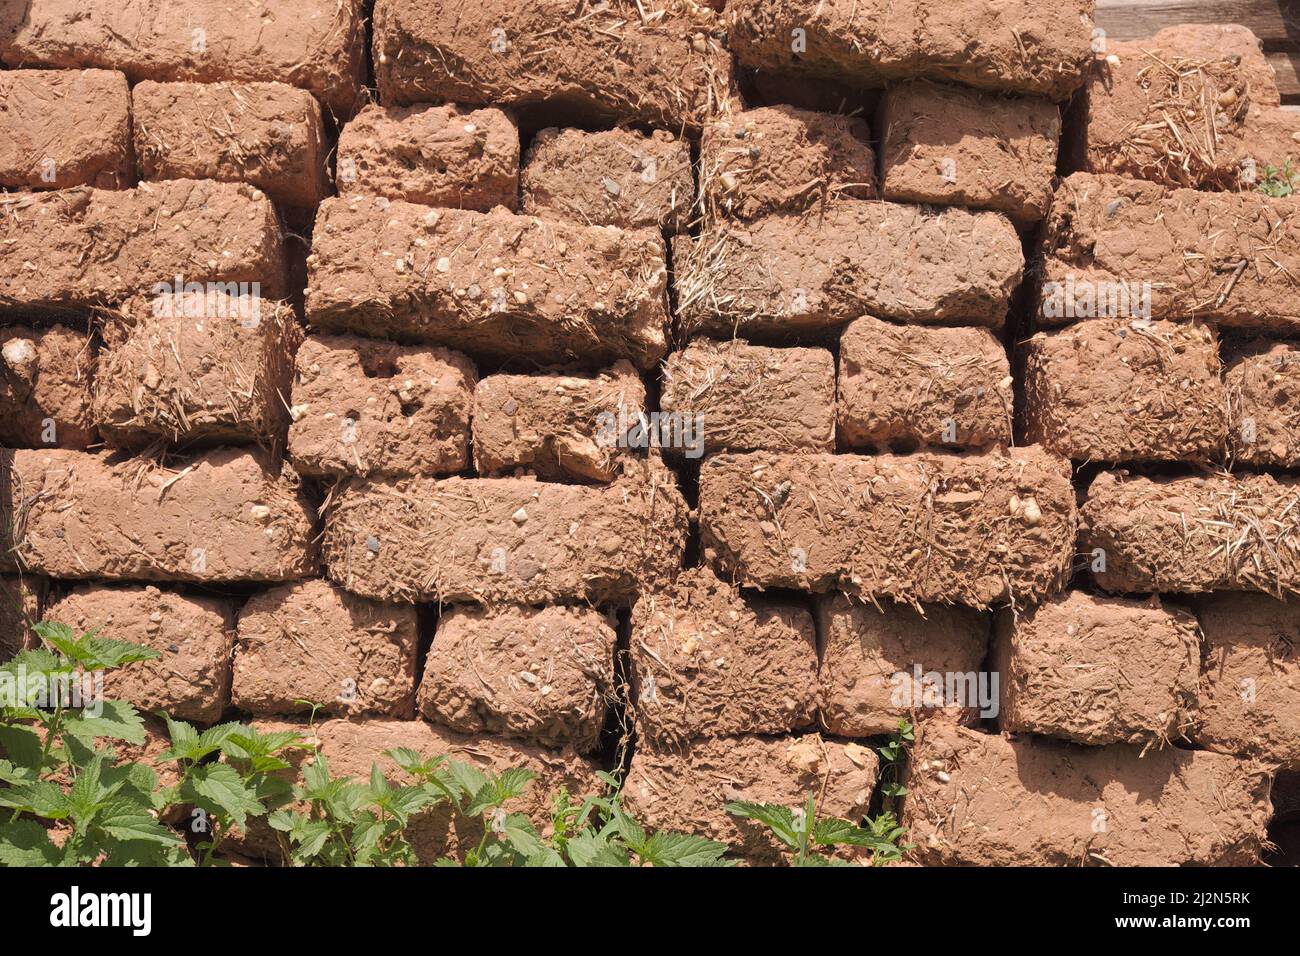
pixel 20 605
pixel 789 274
pixel 910 386
pixel 45 397
pixel 979 799
pixel 539 674
pixel 1249 702
pixel 1191 534
pixel 752 398
pixel 664 66
pixel 82 247
pixel 220 517
pixel 62 128
pixel 954 146
pixel 507 286
pixel 195 370
pixel 557 427
pixel 1262 378
pixel 480 540
pixel 685 789
pixel 871 658
pixel 968 529
pixel 194 635
pixel 1098 670
pixel 1182 108
pixel 784 159
pixel 267 134
pixel 617 177
pixel 1126 390
pixel 1233 259
pixel 311 641
pixel 435 155
pixel 707 662
pixel 369 407
pixel 315 44
pixel 1024 45
pixel 352 746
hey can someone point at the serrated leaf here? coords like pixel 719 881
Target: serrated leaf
pixel 683 849
pixel 22 747
pixel 117 721
pixel 57 635
pixel 546 857
pixel 27 843
pixel 831 831
pixel 125 819
pixel 184 741
pixel 42 797
pixel 499 789
pixel 522 837
pixel 633 833
pixel 104 654
pixel 88 795
pixel 462 779
pixel 589 849
pixel 219 789
pixel 814 859
pixel 777 818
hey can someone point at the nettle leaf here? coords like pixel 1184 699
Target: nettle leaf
pixel 272 792
pixel 102 653
pixel 462 779
pixel 36 662
pixel 131 853
pixel 40 797
pixel 777 818
pixel 227 738
pixel 124 818
pixel 59 636
pixel 118 721
pixel 633 833
pixel 16 775
pixel 591 849
pixel 814 859
pixel 832 831
pixel 246 743
pixel 88 793
pixel 219 789
pixel 309 837
pixel 137 777
pixel 546 857
pixel 184 741
pixel 413 763
pixel 13 714
pixel 22 746
pixel 404 802
pixel 27 843
pixel 518 831
pixel 683 849
pixel 499 789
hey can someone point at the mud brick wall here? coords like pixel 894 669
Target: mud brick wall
pixel 686 390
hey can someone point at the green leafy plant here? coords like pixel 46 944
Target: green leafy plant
pixel 892 756
pixel 349 823
pixel 595 831
pixel 70 800
pixel 230 773
pixel 803 832
pixel 1279 181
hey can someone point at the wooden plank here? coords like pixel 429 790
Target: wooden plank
pixel 1273 21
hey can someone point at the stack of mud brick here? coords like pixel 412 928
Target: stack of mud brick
pixel 673 388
